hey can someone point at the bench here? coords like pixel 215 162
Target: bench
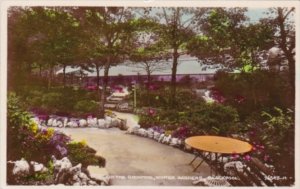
pixel 255 173
pixel 246 173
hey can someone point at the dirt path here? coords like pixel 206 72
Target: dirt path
pixel 129 155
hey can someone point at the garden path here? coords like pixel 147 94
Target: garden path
pixel 129 155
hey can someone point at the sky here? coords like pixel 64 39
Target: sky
pixel 255 14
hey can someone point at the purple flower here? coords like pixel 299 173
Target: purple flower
pixel 158 129
pixel 44 131
pixel 62 150
pixel 59 138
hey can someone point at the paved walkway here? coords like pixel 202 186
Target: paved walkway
pixel 137 161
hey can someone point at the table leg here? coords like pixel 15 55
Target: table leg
pixel 203 159
pixel 193 159
pixel 198 165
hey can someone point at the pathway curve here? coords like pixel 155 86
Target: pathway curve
pixel 130 155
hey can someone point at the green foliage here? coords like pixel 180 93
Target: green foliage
pixel 159 98
pixel 224 32
pixel 16 116
pixel 65 101
pixel 86 106
pixel 201 118
pixel 214 119
pixel 79 152
pixel 40 38
pixel 22 133
pixel 279 124
pixel 52 100
pixel 260 89
pixel 275 131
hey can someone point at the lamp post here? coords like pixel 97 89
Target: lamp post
pixel 134 97
pixel 134 94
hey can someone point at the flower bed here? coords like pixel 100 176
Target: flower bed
pixel 28 141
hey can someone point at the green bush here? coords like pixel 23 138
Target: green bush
pixel 273 135
pixel 201 118
pixel 260 89
pixel 52 101
pixel 79 152
pixel 86 106
pixel 159 98
pixel 59 100
pixel 214 119
pixel 24 139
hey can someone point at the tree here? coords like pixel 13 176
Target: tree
pixel 177 26
pixel 113 38
pixel 149 53
pixel 19 59
pixel 48 36
pixel 283 21
pixel 228 39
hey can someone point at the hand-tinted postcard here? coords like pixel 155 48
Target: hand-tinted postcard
pixel 181 93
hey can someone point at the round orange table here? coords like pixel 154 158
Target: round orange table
pixel 217 145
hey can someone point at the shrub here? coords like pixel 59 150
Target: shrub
pixel 254 91
pixel 52 101
pixel 58 100
pixel 273 137
pixel 79 152
pixel 25 139
pixel 159 98
pixel 201 118
pixel 20 130
pixel 214 119
pixel 86 106
pixel 181 132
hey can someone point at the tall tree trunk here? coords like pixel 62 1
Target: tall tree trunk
pixel 50 77
pixel 286 50
pixel 98 76
pixel 104 86
pixel 148 85
pixel 40 70
pixel 291 63
pixel 64 76
pixel 173 79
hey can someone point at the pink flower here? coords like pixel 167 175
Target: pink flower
pixel 235 156
pixel 247 158
pixel 151 87
pixel 151 112
pixel 266 157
